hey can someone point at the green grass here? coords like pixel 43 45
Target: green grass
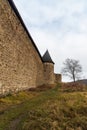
pixel 47 110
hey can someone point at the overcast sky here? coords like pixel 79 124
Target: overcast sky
pixel 59 26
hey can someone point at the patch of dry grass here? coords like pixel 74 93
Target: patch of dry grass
pixel 53 109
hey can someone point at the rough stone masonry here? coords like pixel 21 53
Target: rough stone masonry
pixel 21 65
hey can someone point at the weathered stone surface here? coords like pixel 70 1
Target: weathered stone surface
pixel 21 66
pixel 58 78
pixel 49 73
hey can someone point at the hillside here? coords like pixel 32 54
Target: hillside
pixel 84 81
pixel 44 109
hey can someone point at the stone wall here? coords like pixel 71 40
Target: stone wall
pixel 58 78
pixel 49 73
pixel 20 64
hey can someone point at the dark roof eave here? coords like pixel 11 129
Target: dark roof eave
pixel 22 22
pixel 48 62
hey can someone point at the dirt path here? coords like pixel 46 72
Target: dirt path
pixel 14 123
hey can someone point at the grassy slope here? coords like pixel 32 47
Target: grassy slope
pixel 47 110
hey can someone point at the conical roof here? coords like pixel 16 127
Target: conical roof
pixel 47 58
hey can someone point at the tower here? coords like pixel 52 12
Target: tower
pixel 48 68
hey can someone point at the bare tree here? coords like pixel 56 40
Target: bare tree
pixel 72 68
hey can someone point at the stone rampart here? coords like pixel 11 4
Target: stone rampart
pixel 21 65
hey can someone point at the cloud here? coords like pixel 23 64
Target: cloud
pixel 57 25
